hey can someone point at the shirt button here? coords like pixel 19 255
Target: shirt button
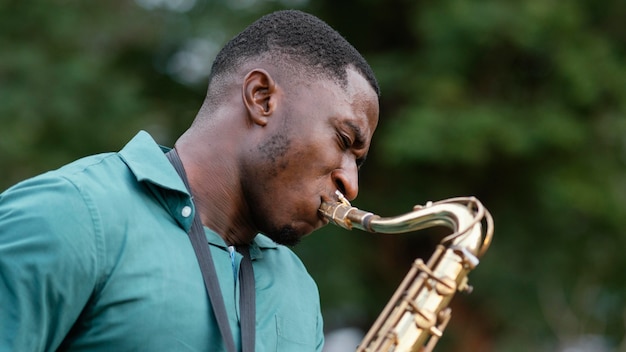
pixel 186 211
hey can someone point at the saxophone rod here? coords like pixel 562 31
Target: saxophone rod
pixel 461 215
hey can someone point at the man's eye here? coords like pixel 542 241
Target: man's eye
pixel 345 141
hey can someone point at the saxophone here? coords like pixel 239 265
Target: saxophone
pixel 418 312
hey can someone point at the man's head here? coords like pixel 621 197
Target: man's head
pixel 289 116
pixel 299 42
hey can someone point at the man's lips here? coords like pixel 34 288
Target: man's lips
pixel 324 220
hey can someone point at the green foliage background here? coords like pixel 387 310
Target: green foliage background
pixel 520 103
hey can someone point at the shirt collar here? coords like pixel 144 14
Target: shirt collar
pixel 260 240
pixel 147 161
pixel 257 246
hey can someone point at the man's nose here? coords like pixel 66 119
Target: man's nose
pixel 346 179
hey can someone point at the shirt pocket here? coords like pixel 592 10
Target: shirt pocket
pixel 295 335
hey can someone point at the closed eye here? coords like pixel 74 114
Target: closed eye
pixel 346 142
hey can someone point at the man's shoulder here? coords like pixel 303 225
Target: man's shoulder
pixel 62 180
pixel 95 177
pixel 141 159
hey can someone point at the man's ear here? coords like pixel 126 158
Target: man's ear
pixel 259 95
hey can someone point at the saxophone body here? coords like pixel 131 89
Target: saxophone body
pixel 417 314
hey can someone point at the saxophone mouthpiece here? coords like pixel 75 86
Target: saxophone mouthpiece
pixel 343 214
pixel 342 198
pixel 336 212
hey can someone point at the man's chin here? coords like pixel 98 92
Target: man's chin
pixel 286 235
pixel 291 235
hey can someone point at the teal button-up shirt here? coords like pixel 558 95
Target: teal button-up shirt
pixel 95 256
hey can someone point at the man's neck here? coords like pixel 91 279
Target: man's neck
pixel 216 191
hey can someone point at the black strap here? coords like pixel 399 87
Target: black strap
pixel 247 298
pixel 199 243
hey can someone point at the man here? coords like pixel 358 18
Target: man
pixel 96 256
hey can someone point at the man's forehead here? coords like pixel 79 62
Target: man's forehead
pixel 356 80
pixel 363 93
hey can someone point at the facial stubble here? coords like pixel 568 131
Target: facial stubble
pixel 273 152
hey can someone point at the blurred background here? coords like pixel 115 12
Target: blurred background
pixel 519 103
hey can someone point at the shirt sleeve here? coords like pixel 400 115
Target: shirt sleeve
pixel 48 262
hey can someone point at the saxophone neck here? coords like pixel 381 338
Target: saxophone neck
pixel 464 216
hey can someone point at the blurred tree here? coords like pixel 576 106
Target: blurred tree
pixel 78 78
pixel 521 103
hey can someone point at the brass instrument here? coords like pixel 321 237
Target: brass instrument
pixel 418 312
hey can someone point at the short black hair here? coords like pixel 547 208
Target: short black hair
pixel 298 37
